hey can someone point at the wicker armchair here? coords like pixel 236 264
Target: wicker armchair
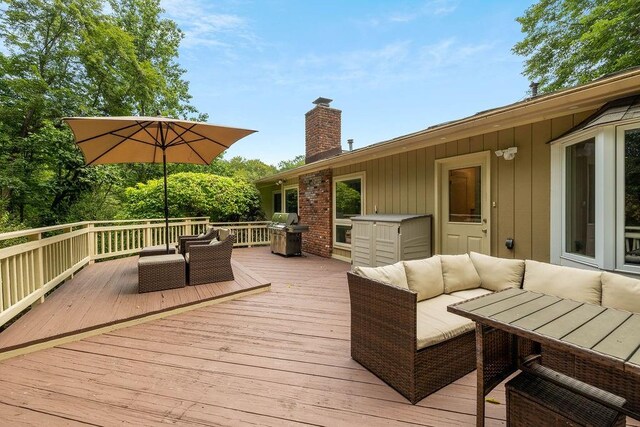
pixel 384 340
pixel 208 263
pixel 209 235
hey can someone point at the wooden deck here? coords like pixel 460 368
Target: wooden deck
pixel 277 358
pixel 105 295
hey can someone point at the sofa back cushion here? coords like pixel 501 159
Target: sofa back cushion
pixel 458 273
pixel 620 292
pixel 393 274
pixel 223 233
pixel 564 282
pixel 425 277
pixel 497 274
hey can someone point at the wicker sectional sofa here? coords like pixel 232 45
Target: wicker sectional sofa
pixel 401 329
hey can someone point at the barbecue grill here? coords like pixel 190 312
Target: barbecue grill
pixel 286 234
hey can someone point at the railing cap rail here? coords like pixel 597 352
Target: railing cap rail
pixel 32 231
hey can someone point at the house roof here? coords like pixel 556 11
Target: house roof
pixel 576 99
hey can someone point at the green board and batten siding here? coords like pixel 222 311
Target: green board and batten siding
pixel 404 183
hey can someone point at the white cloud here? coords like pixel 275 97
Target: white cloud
pixel 429 8
pixel 204 26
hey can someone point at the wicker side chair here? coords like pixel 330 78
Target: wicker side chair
pixel 209 235
pixel 207 263
pixel 384 340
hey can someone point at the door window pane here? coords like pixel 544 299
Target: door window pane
pixel 580 198
pixel 348 198
pixel 465 198
pixel 277 201
pixel 291 200
pixel 632 196
pixel 343 234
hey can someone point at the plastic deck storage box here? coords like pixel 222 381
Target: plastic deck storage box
pixel 378 240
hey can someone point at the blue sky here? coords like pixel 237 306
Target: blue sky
pixel 392 67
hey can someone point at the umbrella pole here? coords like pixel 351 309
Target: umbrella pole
pixel 166 202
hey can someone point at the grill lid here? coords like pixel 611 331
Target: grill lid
pixel 285 218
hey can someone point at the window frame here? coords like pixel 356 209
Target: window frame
pixel 342 221
pixel 273 200
pixel 609 227
pixel 621 265
pixel 284 197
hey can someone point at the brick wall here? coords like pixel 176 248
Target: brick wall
pixel 315 211
pixel 322 133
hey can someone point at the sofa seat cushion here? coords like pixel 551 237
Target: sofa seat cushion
pixel 458 273
pixel 470 293
pixel 425 277
pixel 393 274
pixel 620 292
pixel 564 282
pixel 497 274
pixel 435 324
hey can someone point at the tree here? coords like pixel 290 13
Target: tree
pixel 570 42
pixel 195 194
pixel 290 164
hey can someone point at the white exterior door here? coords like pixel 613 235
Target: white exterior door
pixel 464 204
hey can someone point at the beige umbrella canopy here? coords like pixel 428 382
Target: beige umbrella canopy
pixel 105 140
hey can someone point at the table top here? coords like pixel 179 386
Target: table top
pixel 608 334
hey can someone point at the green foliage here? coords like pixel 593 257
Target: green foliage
pixel 569 42
pixel 195 194
pixel 348 198
pixel 290 164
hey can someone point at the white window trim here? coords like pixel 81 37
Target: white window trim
pixel 284 196
pixel 609 227
pixel 620 193
pixel 363 204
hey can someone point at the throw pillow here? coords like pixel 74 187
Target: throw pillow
pixel 620 292
pixel 497 274
pixel 393 274
pixel 425 277
pixel 458 273
pixel 564 282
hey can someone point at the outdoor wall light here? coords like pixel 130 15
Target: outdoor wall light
pixel 281 181
pixel 507 153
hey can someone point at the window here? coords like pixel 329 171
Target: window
pixel 348 201
pixel 580 198
pixel 465 198
pixel 277 201
pixel 630 198
pixel 291 200
pixel 595 198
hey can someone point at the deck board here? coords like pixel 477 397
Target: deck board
pixel 106 293
pixel 277 358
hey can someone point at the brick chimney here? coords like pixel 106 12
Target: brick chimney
pixel 322 131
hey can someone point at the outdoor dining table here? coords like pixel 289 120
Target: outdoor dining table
pixel 514 324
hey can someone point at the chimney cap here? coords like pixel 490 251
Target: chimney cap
pixel 323 101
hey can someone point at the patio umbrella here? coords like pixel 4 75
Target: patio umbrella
pixel 106 140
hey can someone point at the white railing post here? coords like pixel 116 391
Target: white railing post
pixel 39 265
pixel 147 235
pixel 91 242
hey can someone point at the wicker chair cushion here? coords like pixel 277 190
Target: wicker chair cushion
pixel 223 233
pixel 470 293
pixel 393 274
pixel 435 324
pixel 215 242
pixel 620 292
pixel 564 282
pixel 458 273
pixel 425 277
pixel 160 259
pixel 497 274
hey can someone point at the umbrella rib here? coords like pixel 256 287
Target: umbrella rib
pixel 111 132
pixel 205 137
pixel 179 135
pixel 116 145
pixel 193 149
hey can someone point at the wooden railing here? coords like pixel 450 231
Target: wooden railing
pixel 33 262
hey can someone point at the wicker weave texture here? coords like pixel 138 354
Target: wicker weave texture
pixel 211 234
pixel 210 263
pixel 161 276
pixel 589 371
pixel 157 250
pixel 533 402
pixel 383 340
